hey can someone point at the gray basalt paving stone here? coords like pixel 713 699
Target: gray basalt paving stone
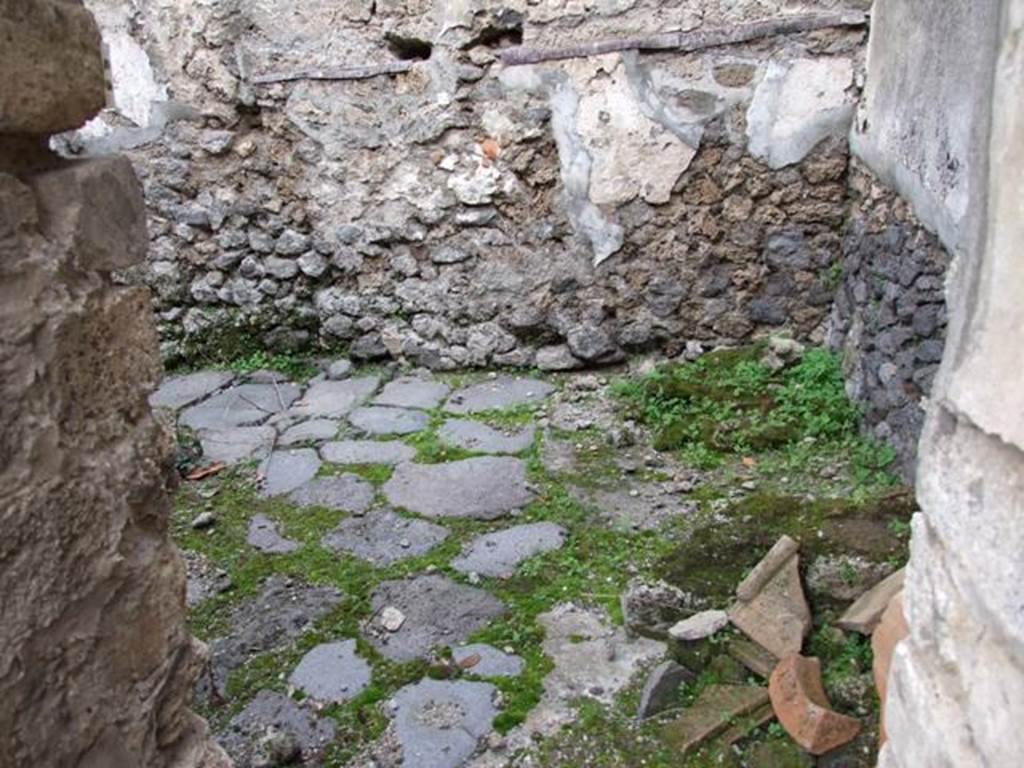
pixel 332 672
pixel 481 438
pixel 389 452
pixel 498 554
pixel 289 469
pixel 263 536
pixel 487 661
pixel 440 723
pixel 178 391
pixel 484 488
pixel 437 611
pixel 242 406
pixel 334 399
pixel 388 421
pixel 237 444
pixel 313 431
pixel 347 493
pixel 412 392
pixel 384 537
pixel 503 392
pixel 274 711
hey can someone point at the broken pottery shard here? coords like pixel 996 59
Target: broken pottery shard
pixel 659 692
pixel 714 712
pixel 484 488
pixel 890 631
pixel 802 708
pixel 865 613
pixel 699 626
pixel 775 614
pixel 753 657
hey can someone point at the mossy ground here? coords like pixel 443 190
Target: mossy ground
pixel 822 484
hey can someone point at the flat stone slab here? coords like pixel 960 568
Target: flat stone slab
pixel 332 672
pixel 439 723
pixel 502 392
pixel 699 626
pixel 346 493
pixel 412 392
pixel 481 438
pixel 487 661
pixel 243 406
pixel 498 554
pixel 661 689
pixel 437 610
pixel 312 431
pixel 384 537
pixel 715 710
pixel 237 444
pixel 484 488
pixel 389 452
pixel 388 421
pixel 263 535
pixel 334 399
pixel 269 710
pixel 178 391
pixel 287 470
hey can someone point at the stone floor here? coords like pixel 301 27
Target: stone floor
pixel 403 570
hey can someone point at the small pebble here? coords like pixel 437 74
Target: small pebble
pixel 203 520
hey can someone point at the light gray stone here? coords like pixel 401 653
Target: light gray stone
pixel 498 554
pixel 502 392
pixel 481 438
pixel 388 452
pixel 438 611
pixel 334 399
pixel 313 431
pixel 347 493
pixel 412 392
pixel 440 723
pixel 557 358
pixel 179 391
pixel 339 369
pixel 484 488
pixel 487 661
pixel 699 626
pixel 263 536
pixel 332 672
pixel 388 421
pixel 289 469
pixel 237 444
pixel 383 537
pixel 242 406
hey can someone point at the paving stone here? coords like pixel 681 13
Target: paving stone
pixel 388 452
pixel 699 626
pixel 481 438
pixel 289 469
pixel 346 493
pixel 313 431
pixel 714 711
pixel 440 723
pixel 237 444
pixel 502 392
pixel 484 488
pixel 438 612
pixel 412 392
pixel 178 391
pixel 659 692
pixel 242 406
pixel 275 712
pixel 487 661
pixel 498 554
pixel 802 708
pixel 384 537
pixel 263 536
pixel 332 672
pixel 281 612
pixel 388 421
pixel 334 399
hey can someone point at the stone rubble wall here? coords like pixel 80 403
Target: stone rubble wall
pixel 947 130
pixel 466 213
pixel 96 664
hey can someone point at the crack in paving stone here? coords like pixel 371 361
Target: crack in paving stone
pixel 498 554
pixel 502 392
pixel 345 493
pixel 263 535
pixel 383 537
pixel 388 421
pixel 412 392
pixel 484 488
pixel 481 438
pixel 176 392
pixel 243 406
pixel 332 672
pixel 389 452
pixel 289 469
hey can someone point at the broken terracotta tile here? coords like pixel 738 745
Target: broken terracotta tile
pixel 890 631
pixel 865 613
pixel 714 711
pixel 753 657
pixel 802 708
pixel 772 610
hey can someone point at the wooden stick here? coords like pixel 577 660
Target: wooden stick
pixel 698 40
pixel 336 73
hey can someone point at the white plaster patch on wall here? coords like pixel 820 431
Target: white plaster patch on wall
pixel 135 84
pixel 796 105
